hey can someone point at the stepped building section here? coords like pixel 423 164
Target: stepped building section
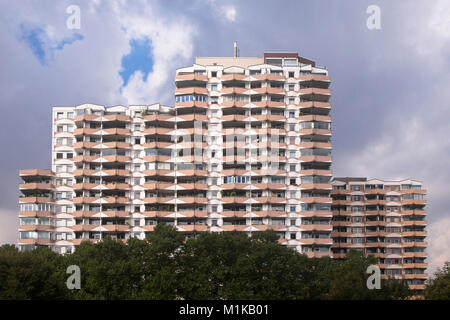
pixel 246 148
pixel 385 219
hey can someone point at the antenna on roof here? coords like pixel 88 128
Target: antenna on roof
pixel 235 50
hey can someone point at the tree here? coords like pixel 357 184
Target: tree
pixel 235 266
pixel 165 245
pixel 438 287
pixel 106 270
pixel 350 281
pixel 30 275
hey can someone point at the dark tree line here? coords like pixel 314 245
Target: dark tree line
pixel 212 266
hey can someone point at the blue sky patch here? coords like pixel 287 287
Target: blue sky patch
pixel 40 44
pixel 140 58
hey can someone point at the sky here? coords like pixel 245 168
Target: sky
pixel 390 97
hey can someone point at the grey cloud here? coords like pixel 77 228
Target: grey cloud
pixel 382 81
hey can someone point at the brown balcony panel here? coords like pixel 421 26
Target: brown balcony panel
pixel 316 213
pixel 233 76
pixel 268 77
pixel 320 227
pixel 36 172
pixel 35 241
pixel 35 200
pixel 35 214
pixel 191 77
pixel 35 227
pixel 191 90
pixel 317 254
pixel 117 117
pixel 315 77
pixel 191 104
pixel 36 186
pixel 315 241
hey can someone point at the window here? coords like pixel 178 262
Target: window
pixel 214 74
pixel 59 115
pixel 292 167
pixel 291 74
pixel 293 222
pixel 292 182
pixel 292 127
pixel 213 208
pixel 59 129
pixel 292 154
pixel 291 87
pixel 292 208
pixel 59 156
pixel 214 87
pixel 293 236
pixel 69 155
pixel 214 222
pixel 292 114
pixel 137 140
pixel 291 100
pixel 70 115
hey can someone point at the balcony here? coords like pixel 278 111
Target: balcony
pixel 194 77
pixel 36 186
pixel 36 173
pixel 35 199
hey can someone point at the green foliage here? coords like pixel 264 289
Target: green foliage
pixel 30 275
pixel 350 281
pixel 210 266
pixel 439 285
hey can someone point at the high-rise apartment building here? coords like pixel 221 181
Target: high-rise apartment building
pixel 245 148
pixel 385 219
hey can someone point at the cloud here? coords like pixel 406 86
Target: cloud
pixel 41 42
pixel 439 240
pixel 172 43
pixel 230 13
pixel 9 222
pixel 389 103
pixel 425 27
pixel 140 58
